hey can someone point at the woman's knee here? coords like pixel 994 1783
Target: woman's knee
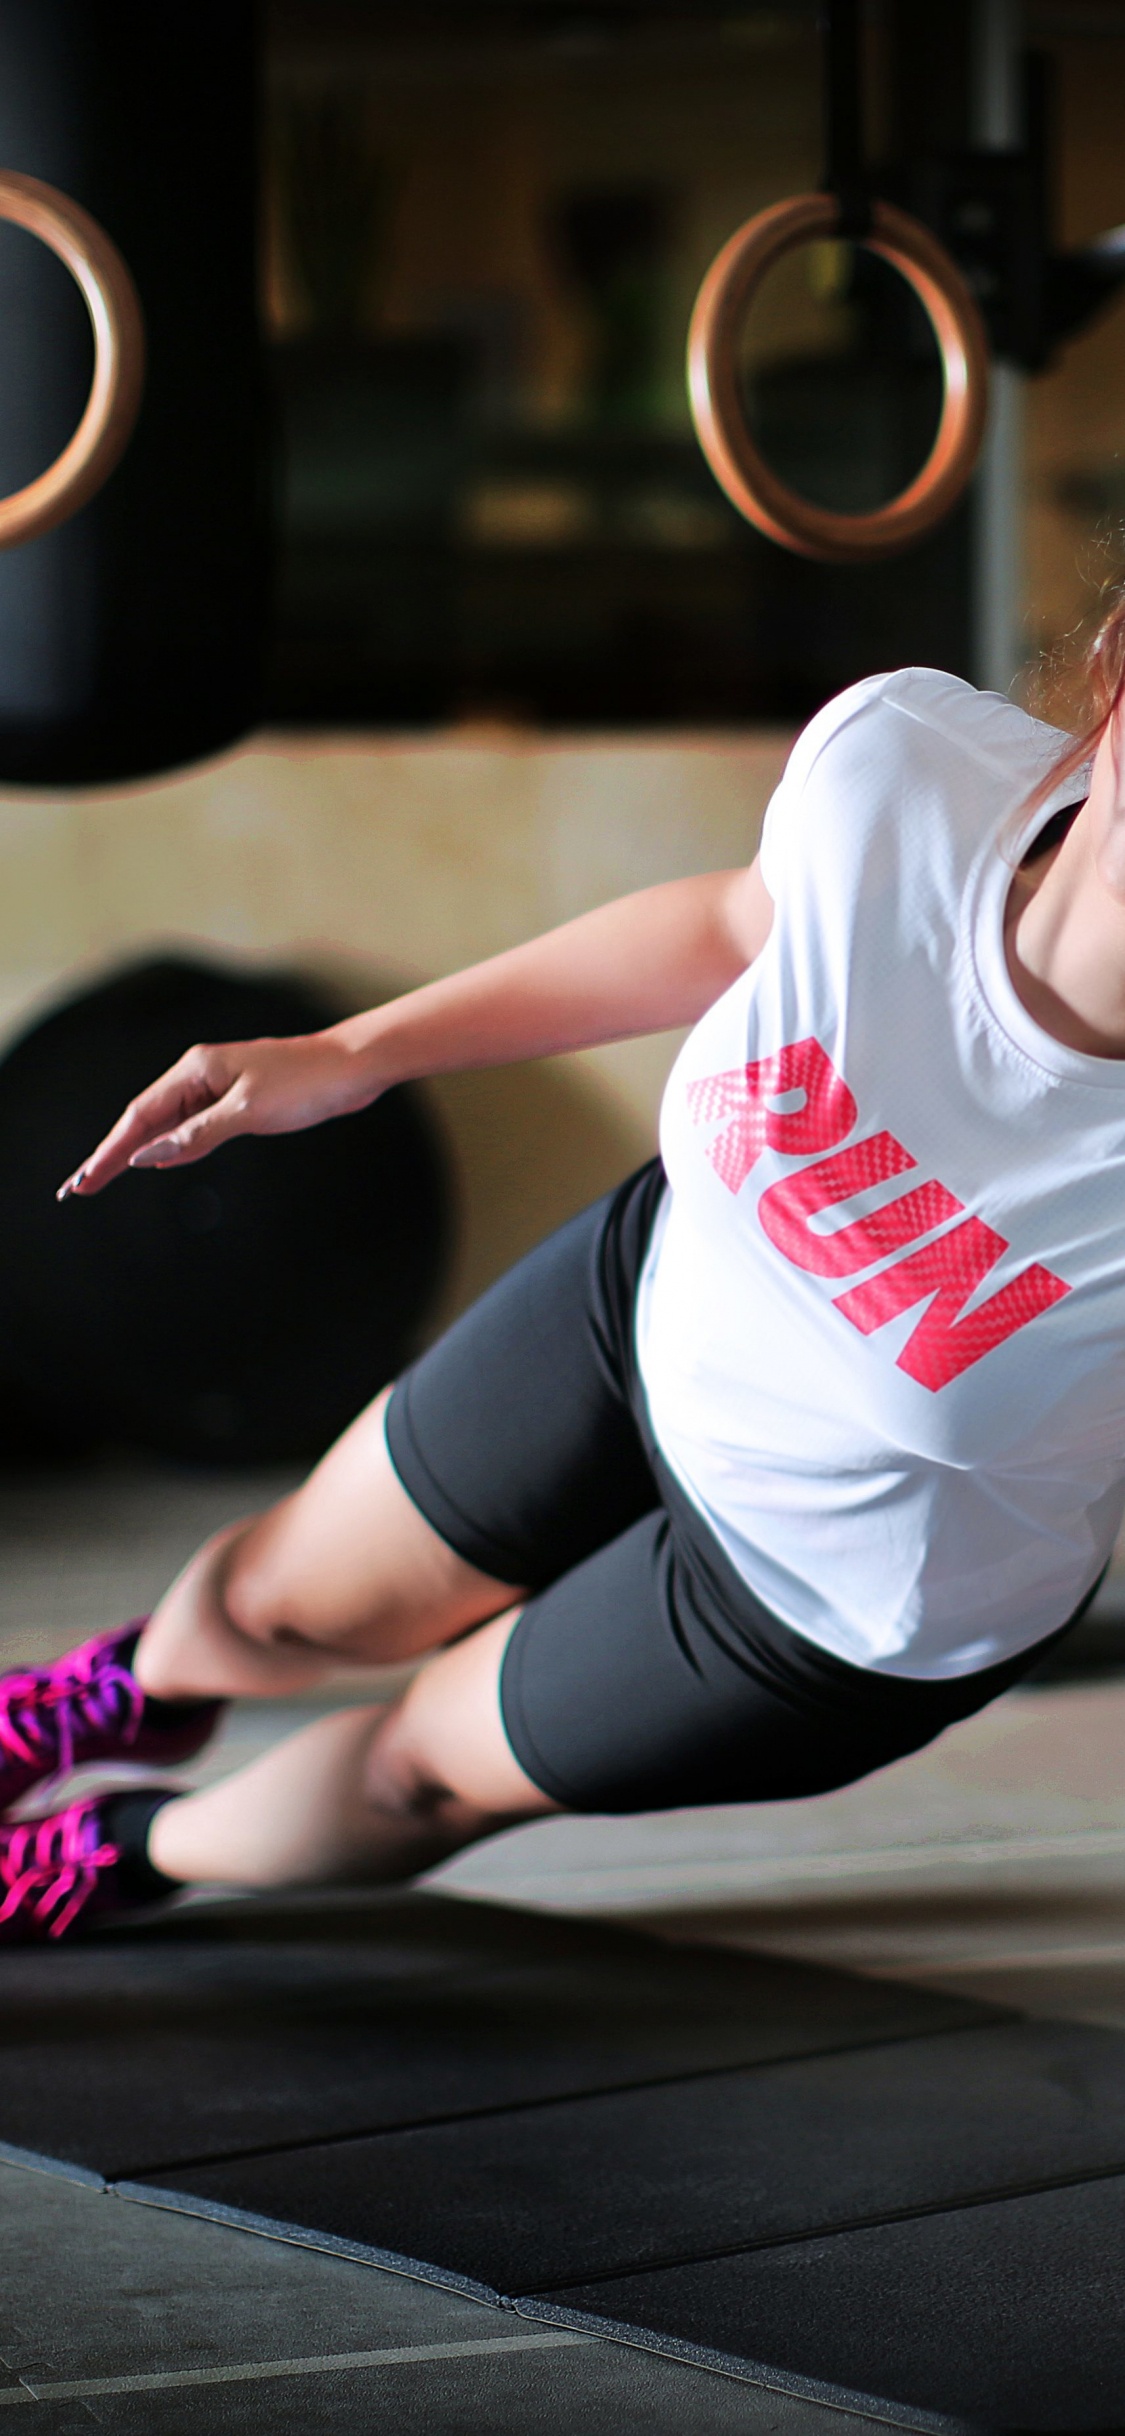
pixel 349 1564
pixel 401 1778
pixel 444 1744
pixel 249 1584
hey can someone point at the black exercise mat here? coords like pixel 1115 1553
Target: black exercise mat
pixel 590 2120
pixel 254 2026
pixel 1011 2316
pixel 549 2194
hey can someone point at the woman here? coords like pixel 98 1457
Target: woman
pixel 740 1486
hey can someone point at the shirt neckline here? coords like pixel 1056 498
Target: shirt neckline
pixel 989 886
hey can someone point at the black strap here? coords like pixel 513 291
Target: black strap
pixel 843 117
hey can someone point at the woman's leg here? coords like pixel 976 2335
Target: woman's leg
pixel 374 1794
pixel 514 1434
pixel 346 1569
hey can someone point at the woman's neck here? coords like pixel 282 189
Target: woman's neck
pixel 1064 928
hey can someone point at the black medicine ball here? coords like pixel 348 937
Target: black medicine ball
pixel 241 1310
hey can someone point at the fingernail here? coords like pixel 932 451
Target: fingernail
pixel 153 1152
pixel 71 1186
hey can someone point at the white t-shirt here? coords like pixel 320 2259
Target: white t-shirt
pixel 881 1325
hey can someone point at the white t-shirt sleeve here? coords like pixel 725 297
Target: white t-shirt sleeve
pixel 781 826
pixel 771 849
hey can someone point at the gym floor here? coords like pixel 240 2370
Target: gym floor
pixel 989 1868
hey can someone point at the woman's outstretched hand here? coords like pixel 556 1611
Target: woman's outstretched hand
pixel 647 963
pixel 212 1094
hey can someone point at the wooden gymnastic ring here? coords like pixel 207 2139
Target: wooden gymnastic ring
pixel 119 357
pixel 716 400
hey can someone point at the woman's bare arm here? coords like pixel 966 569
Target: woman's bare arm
pixel 643 964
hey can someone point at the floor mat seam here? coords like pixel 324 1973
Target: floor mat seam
pixel 1002 2195
pixel 524 2106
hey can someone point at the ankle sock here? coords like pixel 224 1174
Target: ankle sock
pixel 159 1712
pixel 176 1713
pixel 127 1818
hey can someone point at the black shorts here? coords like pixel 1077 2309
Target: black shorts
pixel 643 1674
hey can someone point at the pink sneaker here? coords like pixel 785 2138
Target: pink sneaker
pixel 58 1870
pixel 89 1705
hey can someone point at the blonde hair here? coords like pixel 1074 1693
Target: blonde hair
pixel 1102 686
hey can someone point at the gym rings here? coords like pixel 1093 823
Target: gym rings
pixel 716 400
pixel 119 357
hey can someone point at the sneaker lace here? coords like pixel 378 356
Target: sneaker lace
pixel 49 1867
pixel 46 1709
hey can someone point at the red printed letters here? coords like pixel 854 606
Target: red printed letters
pixel 945 1343
pixel 826 1114
pixel 786 1208
pixel 944 1273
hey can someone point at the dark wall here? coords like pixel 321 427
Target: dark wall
pixel 130 638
